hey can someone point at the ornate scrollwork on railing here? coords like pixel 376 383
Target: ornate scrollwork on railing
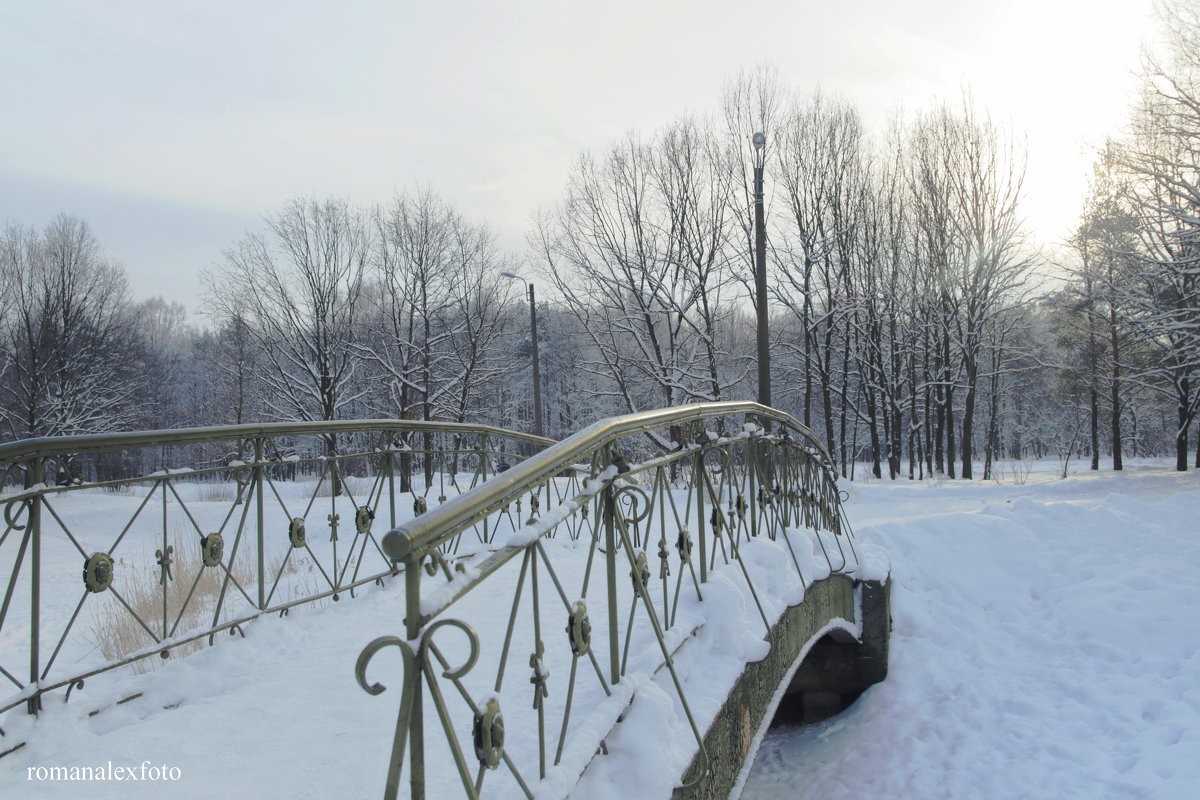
pixel 428 663
pixel 12 510
pixel 411 678
pixel 488 734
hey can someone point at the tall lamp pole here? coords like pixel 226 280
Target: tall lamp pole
pixel 760 273
pixel 537 370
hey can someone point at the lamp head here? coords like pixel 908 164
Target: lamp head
pixel 759 140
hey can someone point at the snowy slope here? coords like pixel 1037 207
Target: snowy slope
pixel 1045 645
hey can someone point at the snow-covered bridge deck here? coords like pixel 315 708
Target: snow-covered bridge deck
pixel 682 560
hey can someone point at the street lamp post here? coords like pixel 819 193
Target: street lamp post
pixel 760 273
pixel 537 370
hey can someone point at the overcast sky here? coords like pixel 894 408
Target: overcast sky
pixel 172 127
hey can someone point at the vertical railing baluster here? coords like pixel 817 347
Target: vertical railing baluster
pixel 412 625
pixel 536 663
pixel 165 555
pixel 258 499
pixel 610 570
pixel 428 465
pixel 701 527
pixel 484 458
pixel 390 462
pixel 660 482
pixel 751 485
pixel 33 477
pixel 334 479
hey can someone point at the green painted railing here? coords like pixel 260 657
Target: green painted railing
pixel 118 549
pixel 637 510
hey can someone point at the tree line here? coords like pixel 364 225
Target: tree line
pixel 915 327
pixel 1131 313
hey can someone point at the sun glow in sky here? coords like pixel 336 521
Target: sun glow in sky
pixel 172 127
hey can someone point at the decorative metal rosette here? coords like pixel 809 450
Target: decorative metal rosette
pixel 98 572
pixel 296 532
pixel 488 733
pixel 579 629
pixel 641 571
pixel 683 544
pixel 363 518
pixel 212 547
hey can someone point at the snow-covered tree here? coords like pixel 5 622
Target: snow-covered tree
pixel 296 289
pixel 438 308
pixel 1161 160
pixel 638 251
pixel 71 360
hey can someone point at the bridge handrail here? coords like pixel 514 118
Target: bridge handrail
pixel 760 480
pixel 428 531
pixel 46 446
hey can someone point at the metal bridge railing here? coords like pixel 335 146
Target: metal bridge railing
pixel 120 549
pixel 623 524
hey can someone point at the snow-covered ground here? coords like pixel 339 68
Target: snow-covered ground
pixel 279 713
pixel 1046 644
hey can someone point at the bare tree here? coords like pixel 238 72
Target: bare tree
pixel 295 292
pixel 440 308
pixel 966 182
pixel 638 250
pixel 824 179
pixel 68 343
pixel 695 188
pixel 480 318
pixel 1162 159
pixel 296 289
pixel 1105 242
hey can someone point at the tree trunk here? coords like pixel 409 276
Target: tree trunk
pixel 1094 423
pixel 948 386
pixel 808 347
pixel 939 431
pixel 928 428
pixel 845 404
pixel 1115 399
pixel 993 430
pixel 949 433
pixel 968 423
pixel 873 424
pixel 1185 420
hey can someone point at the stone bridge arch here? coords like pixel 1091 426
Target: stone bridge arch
pixel 824 652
